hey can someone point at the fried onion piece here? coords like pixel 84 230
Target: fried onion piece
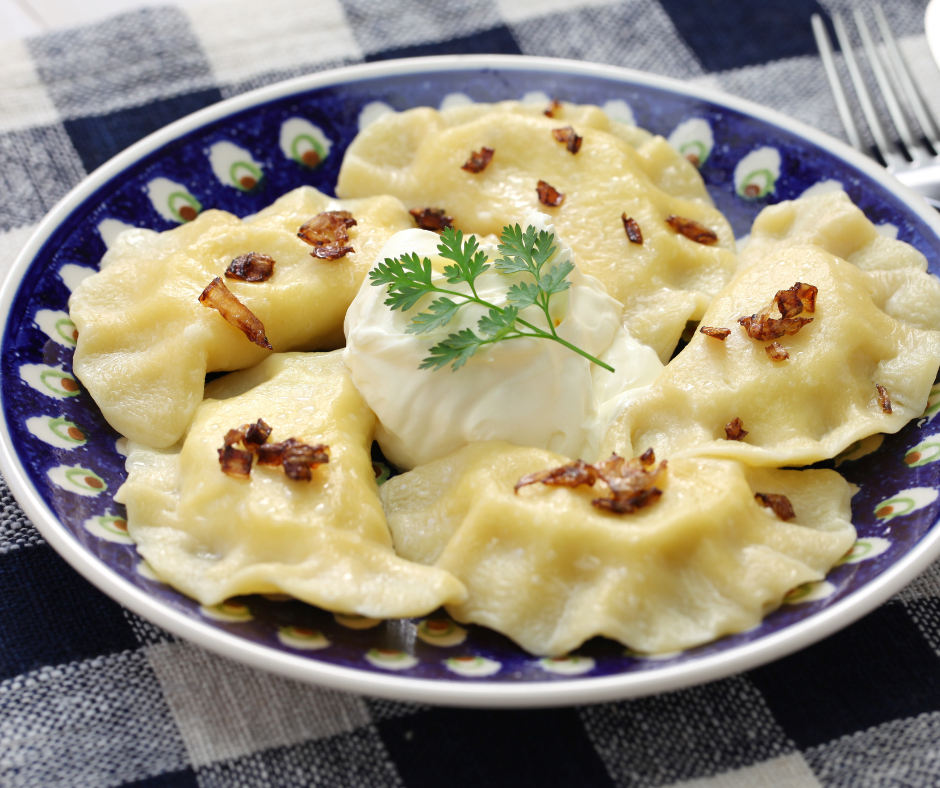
pixel 256 434
pixel 552 107
pixel 628 505
pixel 568 136
pixel 631 485
pixel 720 334
pixel 251 267
pixel 779 503
pixel 251 435
pixel 478 160
pixel 433 219
pixel 634 235
pixel 218 296
pixel 235 462
pixel 298 459
pixel 883 399
pixel 777 352
pixel 327 234
pixel 572 475
pixel 692 230
pixel 764 327
pixel 801 297
pixel 734 430
pixel 549 195
pixel 798 298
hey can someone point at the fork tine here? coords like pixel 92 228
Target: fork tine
pixel 902 72
pixel 824 45
pixel 885 148
pixel 887 89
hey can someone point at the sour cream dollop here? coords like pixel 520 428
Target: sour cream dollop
pixel 529 392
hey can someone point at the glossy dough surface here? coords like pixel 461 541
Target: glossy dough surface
pixel 549 570
pixel 145 342
pixel 664 282
pixel 325 541
pixel 804 409
pixel 897 273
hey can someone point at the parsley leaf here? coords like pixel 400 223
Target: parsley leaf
pixel 409 278
pixel 523 294
pixel 454 350
pixel 439 313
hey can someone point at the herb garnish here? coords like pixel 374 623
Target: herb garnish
pixel 409 278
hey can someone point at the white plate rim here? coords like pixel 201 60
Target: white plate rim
pixel 457 693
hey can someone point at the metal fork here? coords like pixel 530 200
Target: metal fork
pixel 911 158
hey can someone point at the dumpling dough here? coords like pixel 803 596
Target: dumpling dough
pixel 897 272
pixel 145 342
pixel 325 541
pixel 663 283
pixel 798 411
pixel 549 570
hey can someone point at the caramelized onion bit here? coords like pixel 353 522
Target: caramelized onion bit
pixel 256 434
pixel 433 219
pixel 883 399
pixel 764 327
pixel 734 430
pixel 298 459
pixel 779 503
pixel 251 435
pixel 776 352
pixel 235 462
pixel 552 108
pixel 218 296
pixel 567 135
pixel 251 267
pixel 715 333
pixel 328 234
pixel 631 485
pixel 692 230
pixel 797 299
pixel 634 234
pixel 790 303
pixel 629 504
pixel 549 195
pixel 478 160
pixel 572 475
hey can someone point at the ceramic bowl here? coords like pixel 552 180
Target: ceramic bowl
pixel 64 463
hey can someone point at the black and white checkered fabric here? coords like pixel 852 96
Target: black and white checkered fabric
pixel 91 695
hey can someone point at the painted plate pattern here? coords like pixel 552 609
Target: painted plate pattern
pixel 241 163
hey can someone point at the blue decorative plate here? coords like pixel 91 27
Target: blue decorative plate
pixel 64 463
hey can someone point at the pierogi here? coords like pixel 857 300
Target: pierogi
pixel 145 343
pixel 549 570
pixel 897 273
pixel 797 411
pixel 663 282
pixel 324 541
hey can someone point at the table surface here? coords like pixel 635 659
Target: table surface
pixel 24 18
pixel 92 695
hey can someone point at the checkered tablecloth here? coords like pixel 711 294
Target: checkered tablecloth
pixel 92 695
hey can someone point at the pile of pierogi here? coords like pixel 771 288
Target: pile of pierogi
pixel 819 332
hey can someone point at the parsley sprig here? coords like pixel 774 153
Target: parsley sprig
pixel 409 278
